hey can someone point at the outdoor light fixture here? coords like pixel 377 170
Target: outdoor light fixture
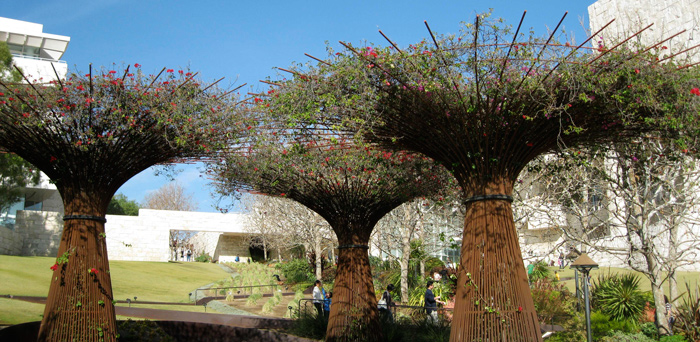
pixel 585 264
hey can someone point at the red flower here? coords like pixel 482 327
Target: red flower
pixel 112 72
pixel 170 70
pixel 636 71
pixel 94 270
pixel 53 159
pixel 695 91
pixel 530 144
pixel 137 65
pixel 520 309
pixel 54 267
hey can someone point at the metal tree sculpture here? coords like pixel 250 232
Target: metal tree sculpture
pixel 484 103
pixel 89 134
pixel 350 186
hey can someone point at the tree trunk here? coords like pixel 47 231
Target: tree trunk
pixel 79 306
pixel 264 250
pixel 318 254
pixel 403 263
pixel 660 304
pixel 354 315
pixel 493 300
pixel 279 255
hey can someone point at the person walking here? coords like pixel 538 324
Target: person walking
pixel 189 254
pixel 385 304
pixel 431 302
pixel 318 297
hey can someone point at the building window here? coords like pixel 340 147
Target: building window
pixel 32 205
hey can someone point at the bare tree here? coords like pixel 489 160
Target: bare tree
pixel 279 223
pixel 633 205
pixel 171 196
pixel 432 223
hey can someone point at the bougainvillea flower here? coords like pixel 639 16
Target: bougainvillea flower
pixel 695 91
pixel 54 267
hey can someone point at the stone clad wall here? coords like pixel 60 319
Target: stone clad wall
pixel 668 16
pixel 144 238
pixel 10 241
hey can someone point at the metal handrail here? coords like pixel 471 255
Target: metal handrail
pixel 216 293
pixel 39 58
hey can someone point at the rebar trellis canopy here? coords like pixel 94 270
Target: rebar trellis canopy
pixel 484 103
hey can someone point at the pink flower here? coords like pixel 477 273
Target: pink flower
pixel 634 159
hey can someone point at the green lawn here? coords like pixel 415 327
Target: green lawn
pixel 149 281
pixel 690 277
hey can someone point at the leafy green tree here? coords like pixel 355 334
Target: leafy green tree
pixel 122 205
pixel 15 172
pixel 7 71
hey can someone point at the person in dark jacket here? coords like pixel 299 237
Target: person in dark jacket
pixel 431 302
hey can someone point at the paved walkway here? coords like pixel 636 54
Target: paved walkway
pixel 236 320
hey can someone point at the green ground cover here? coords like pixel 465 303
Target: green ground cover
pixel 149 281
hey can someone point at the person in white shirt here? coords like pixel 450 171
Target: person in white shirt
pixel 318 298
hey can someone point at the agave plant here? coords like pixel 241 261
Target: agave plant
pixel 539 271
pixel 688 314
pixel 618 296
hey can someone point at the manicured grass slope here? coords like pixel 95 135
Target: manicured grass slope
pixel 644 284
pixel 149 281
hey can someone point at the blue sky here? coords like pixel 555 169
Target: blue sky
pixel 244 41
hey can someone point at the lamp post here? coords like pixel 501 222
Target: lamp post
pixel 585 264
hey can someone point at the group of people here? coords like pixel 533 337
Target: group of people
pixel 183 254
pixel 430 299
pixel 322 299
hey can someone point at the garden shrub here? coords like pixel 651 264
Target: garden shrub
pixel 552 301
pixel 328 274
pixel 141 331
pixel 649 329
pixel 673 338
pixel 432 263
pixel 253 299
pixel 618 296
pixel 204 257
pixel 602 325
pixel 297 271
